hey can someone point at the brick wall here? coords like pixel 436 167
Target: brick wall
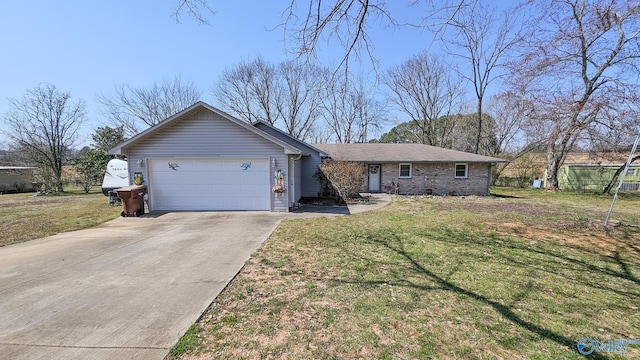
pixel 438 177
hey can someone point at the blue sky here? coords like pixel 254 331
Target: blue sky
pixel 88 47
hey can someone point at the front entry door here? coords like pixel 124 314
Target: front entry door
pixel 374 178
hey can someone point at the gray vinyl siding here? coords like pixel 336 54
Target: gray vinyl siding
pixel 307 181
pixel 206 134
pixel 311 183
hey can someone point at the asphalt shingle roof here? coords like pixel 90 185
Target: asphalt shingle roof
pixel 383 152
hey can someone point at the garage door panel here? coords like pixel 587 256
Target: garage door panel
pixel 210 184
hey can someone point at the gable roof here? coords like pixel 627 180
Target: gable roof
pixel 200 105
pixel 390 152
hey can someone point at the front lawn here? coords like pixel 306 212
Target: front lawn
pixel 25 218
pixel 520 276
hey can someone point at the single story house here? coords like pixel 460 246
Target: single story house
pixel 417 168
pixel 204 159
pixel 17 178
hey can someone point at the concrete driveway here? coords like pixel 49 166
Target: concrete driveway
pixel 127 289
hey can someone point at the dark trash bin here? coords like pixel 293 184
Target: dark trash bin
pixel 132 200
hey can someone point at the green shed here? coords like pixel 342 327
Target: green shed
pixel 581 177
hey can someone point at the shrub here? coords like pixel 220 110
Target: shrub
pixel 345 176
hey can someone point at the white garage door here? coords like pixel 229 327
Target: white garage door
pixel 209 184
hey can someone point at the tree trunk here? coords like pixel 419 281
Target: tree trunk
pixel 479 125
pixel 552 177
pixel 553 164
pixel 58 181
pixel 557 153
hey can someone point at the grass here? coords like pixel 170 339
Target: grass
pixel 187 341
pixel 525 274
pixel 25 218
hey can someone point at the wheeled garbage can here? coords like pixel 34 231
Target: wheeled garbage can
pixel 132 200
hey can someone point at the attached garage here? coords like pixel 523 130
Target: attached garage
pixel 205 159
pixel 209 184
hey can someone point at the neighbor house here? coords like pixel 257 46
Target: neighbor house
pixel 16 179
pixel 417 168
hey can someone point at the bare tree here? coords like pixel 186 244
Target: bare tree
pixel 349 21
pixel 44 125
pixel 198 9
pixel 508 111
pixel 476 39
pixel 286 95
pixel 137 108
pixel 615 129
pixel 372 116
pixel 300 92
pixel 349 113
pixel 426 90
pixel 578 63
pixel 247 90
pixel 346 21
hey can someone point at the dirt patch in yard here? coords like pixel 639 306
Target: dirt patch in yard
pixel 590 235
pixel 478 204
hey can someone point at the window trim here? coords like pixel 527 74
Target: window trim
pixel 400 171
pixel 466 171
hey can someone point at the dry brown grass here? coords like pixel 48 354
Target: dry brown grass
pixel 25 218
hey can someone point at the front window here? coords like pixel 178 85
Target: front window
pixel 405 170
pixel 462 171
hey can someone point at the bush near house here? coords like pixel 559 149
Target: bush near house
pixel 344 176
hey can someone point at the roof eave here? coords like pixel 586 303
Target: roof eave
pixel 425 161
pixel 320 152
